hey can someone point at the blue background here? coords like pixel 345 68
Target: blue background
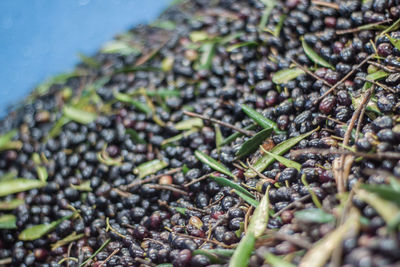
pixel 41 38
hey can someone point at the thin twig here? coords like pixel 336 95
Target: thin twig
pixel 109 256
pixel 259 173
pixel 332 119
pixel 291 205
pixel 302 243
pixel 310 73
pixel 383 67
pixel 168 187
pixel 228 125
pixel 364 27
pixel 137 182
pixel 325 4
pixel 377 84
pixel 205 176
pixel 356 68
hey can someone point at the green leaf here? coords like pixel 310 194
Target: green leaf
pixel 66 240
pixel 252 143
pixel 238 45
pixel 258 224
pixel 235 135
pixel 164 24
pixel 119 47
pixel 313 56
pixel 181 210
pixel 321 252
pixel 57 127
pixel 314 216
pixel 165 265
pixel 178 137
pixel 263 162
pixel 216 256
pixel 11 204
pixel 17 185
pixel 260 119
pixel 279 26
pixel 42 173
pixel 149 167
pixel 5 138
pixel 164 93
pixel 207 54
pixel 89 61
pixel 393 27
pixel 135 136
pixel 37 231
pixel 137 104
pixel 286 75
pixel 189 124
pixel 314 197
pixel 83 186
pixel 371 108
pixel 8 221
pixel 199 36
pixel 269 6
pixel 395 42
pixel 287 162
pixel 246 198
pixel 243 251
pixel 213 163
pixel 61 78
pixel 383 191
pixel 276 261
pixel 225 182
pixel 239 231
pixel 218 137
pixel 78 115
pixel 8 176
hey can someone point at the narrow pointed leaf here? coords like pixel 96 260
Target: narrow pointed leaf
pixel 247 198
pixel 225 182
pixel 263 162
pixel 313 56
pixel 135 136
pixel 314 216
pixel 96 252
pixel 5 138
pixel 314 197
pixel 252 144
pixel 137 104
pixel 287 162
pixel 178 137
pixel 286 75
pixel 208 51
pixel 387 209
pixel 276 261
pixel 213 163
pixel 239 45
pixel 269 6
pixel 164 93
pixel 8 221
pixel 11 204
pixel 66 240
pixel 395 42
pixel 84 186
pixel 189 124
pixel 218 137
pixel 79 115
pixel 258 224
pixel 322 251
pixel 260 119
pixel 42 173
pixel 37 231
pixel 19 185
pixel 149 167
pixel 235 135
pixel 383 191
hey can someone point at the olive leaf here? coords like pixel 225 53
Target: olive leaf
pixel 135 136
pixel 276 261
pixel 313 56
pixel 143 107
pixel 66 240
pixel 9 187
pixel 218 137
pixel 6 142
pixel 225 182
pixel 252 144
pixel 8 221
pixel 189 124
pixel 83 186
pixel 263 162
pixel 286 75
pixel 96 252
pixel 213 163
pixel 235 135
pixel 37 231
pixel 314 216
pixel 260 119
pixel 287 162
pixel 246 198
pixel 79 115
pixel 149 167
pixel 321 252
pixel 11 204
pixel 258 224
pixel 239 45
pixel 218 256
